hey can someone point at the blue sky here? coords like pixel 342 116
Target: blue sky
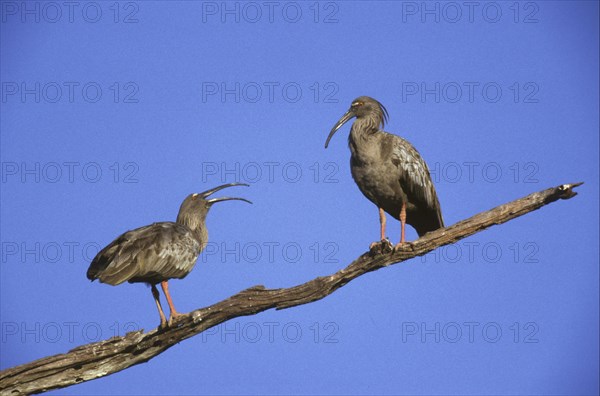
pixel 113 112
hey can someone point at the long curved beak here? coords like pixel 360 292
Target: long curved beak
pixel 214 190
pixel 214 200
pixel 345 118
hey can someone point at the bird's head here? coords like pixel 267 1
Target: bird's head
pixel 196 205
pixel 363 107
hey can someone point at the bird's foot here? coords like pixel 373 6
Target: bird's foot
pixel 175 316
pixel 402 246
pixel 163 324
pixel 380 247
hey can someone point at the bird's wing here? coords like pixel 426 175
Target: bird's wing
pixel 173 253
pixel 116 262
pixel 154 251
pixel 415 177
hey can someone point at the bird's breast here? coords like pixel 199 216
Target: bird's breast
pixel 377 180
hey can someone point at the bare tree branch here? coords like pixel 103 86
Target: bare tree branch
pixel 99 359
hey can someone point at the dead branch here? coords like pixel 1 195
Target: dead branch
pixel 99 359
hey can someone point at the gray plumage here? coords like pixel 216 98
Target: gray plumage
pixel 161 251
pixel 388 170
pixel 150 254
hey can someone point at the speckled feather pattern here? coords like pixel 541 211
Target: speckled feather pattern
pixel 389 171
pixel 151 254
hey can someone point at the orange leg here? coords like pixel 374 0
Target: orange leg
pixel 402 222
pixel 402 227
pixel 163 319
pixel 174 313
pixel 382 241
pixel 382 221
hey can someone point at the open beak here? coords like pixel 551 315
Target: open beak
pixel 214 200
pixel 214 190
pixel 345 118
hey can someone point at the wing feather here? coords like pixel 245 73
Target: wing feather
pixel 153 253
pixel 415 177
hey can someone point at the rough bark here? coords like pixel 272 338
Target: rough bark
pixel 99 359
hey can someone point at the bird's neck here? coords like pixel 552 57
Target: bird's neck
pixel 196 224
pixel 362 132
pixel 363 128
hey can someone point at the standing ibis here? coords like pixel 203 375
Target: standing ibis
pixel 389 171
pixel 161 251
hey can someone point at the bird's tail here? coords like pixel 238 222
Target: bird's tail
pixel 429 222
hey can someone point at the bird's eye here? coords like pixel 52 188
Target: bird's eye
pixel 356 104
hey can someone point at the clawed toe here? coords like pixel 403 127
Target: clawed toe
pixel 174 318
pixel 402 246
pixel 382 246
